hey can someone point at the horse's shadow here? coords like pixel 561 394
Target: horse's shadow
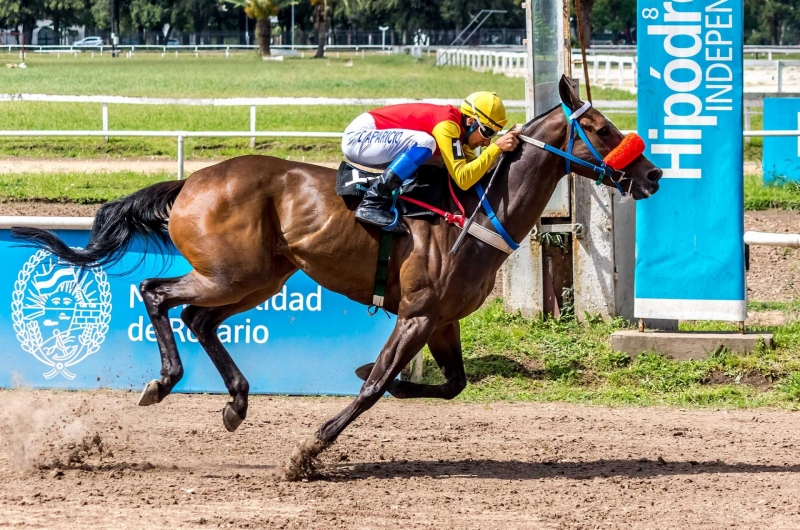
pixel 479 368
pixel 516 470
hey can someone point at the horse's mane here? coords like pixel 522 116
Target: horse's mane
pixel 505 158
pixel 539 118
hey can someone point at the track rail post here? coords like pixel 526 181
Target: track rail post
pixel 252 125
pixel 180 156
pixel 105 121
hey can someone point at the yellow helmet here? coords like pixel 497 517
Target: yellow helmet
pixel 487 108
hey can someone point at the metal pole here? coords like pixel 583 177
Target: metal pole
pixel 293 25
pixel 180 157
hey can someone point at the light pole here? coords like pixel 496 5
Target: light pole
pixel 383 35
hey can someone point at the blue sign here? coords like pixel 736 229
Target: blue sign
pixel 63 327
pixel 689 236
pixel 781 159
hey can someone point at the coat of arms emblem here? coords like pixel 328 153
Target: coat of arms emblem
pixel 60 312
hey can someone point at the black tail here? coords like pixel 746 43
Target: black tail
pixel 145 212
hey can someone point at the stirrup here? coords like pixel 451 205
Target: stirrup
pixel 391 226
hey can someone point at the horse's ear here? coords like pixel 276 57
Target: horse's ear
pixel 568 94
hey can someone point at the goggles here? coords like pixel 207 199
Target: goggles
pixel 486 132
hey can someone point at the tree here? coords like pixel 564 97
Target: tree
pixel 771 22
pixel 65 13
pixel 618 16
pixel 150 14
pixel 21 13
pixel 459 13
pixel 586 19
pixel 194 14
pixel 261 11
pixel 320 17
pixel 412 15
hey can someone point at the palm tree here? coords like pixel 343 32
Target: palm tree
pixel 261 10
pixel 321 12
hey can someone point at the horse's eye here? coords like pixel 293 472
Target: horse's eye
pixel 602 131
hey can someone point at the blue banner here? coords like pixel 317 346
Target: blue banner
pixel 72 329
pixel 689 236
pixel 781 160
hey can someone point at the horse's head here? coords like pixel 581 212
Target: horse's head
pixel 633 172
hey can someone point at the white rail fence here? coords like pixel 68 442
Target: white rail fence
pixel 753 104
pixel 253 103
pixel 130 49
pixel 617 69
pixel 514 64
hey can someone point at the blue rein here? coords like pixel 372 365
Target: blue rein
pixel 603 170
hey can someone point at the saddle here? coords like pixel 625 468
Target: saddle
pixel 428 185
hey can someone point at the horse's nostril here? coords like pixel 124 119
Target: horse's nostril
pixel 654 174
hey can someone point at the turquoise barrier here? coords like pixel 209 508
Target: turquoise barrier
pixel 67 328
pixel 781 161
pixel 689 236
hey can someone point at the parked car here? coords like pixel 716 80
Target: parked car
pixel 89 41
pixel 173 42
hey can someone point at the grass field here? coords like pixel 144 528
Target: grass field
pixel 215 76
pixel 245 75
pixel 512 358
pixel 760 196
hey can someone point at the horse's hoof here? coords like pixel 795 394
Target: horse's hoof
pixel 302 463
pixel 230 418
pixel 362 372
pixel 149 394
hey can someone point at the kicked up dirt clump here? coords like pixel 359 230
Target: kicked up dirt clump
pixel 47 430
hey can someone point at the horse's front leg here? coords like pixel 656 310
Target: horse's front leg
pixel 445 347
pixel 408 338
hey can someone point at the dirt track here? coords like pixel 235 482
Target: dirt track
pixel 402 465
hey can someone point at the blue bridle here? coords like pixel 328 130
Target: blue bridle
pixel 603 170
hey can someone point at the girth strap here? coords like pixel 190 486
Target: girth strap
pixel 498 226
pixel 381 273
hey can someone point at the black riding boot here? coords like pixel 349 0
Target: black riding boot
pixel 376 206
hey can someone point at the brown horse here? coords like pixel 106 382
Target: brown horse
pixel 247 224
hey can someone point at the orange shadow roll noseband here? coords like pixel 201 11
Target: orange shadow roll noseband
pixel 626 152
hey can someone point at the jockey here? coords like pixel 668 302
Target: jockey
pixel 407 135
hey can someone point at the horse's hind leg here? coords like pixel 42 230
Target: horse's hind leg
pixel 156 294
pixel 204 321
pixel 445 347
pixel 162 294
pixel 408 337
